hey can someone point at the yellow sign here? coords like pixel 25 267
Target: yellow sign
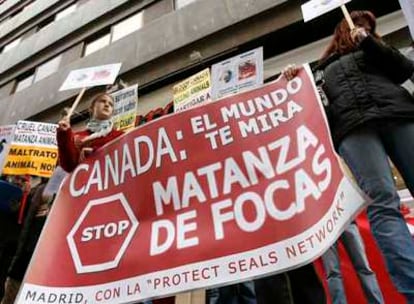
pixel 125 122
pixel 125 108
pixel 33 149
pixel 193 91
pixel 39 161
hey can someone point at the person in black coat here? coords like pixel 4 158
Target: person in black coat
pixel 10 228
pixel 372 119
pixel 38 208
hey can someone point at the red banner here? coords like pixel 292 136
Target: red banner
pixel 239 188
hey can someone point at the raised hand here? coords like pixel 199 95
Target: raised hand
pixel 84 153
pixel 358 34
pixel 64 124
pixel 290 71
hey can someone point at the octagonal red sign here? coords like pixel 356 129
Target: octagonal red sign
pixel 104 223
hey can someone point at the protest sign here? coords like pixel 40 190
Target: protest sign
pixel 236 189
pixel 54 182
pixel 33 149
pixel 125 107
pixel 237 74
pixel 6 135
pixel 316 8
pixel 90 77
pixel 194 91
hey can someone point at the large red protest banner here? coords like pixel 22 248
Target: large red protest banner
pixel 239 188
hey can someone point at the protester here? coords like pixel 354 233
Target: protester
pixel 38 208
pixel 10 228
pixel 75 147
pixel 372 118
pixel 354 246
pixel 297 286
pixel 241 293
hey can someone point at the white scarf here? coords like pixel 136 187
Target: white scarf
pixel 99 128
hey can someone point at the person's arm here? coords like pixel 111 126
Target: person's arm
pixel 68 152
pixel 388 59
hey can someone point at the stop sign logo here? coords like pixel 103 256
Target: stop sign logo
pixel 101 235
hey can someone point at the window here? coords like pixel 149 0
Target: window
pixel 181 3
pixel 24 82
pixel 47 68
pixel 97 44
pixel 15 13
pixel 67 11
pixel 48 21
pixel 11 45
pixel 29 5
pixel 42 71
pixel 118 31
pixel 127 26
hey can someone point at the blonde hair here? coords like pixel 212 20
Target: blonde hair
pixel 97 98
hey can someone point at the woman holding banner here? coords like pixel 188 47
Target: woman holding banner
pixel 75 147
pixel 372 118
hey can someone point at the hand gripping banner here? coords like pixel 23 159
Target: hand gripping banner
pixel 240 188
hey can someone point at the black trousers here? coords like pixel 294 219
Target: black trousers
pixel 7 251
pixel 9 234
pixel 26 246
pixel 298 286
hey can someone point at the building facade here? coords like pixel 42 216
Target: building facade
pixel 159 43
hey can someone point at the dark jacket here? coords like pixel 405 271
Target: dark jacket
pixel 30 233
pixel 364 86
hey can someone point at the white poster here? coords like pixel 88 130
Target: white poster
pixel 237 74
pixel 125 107
pixel 92 76
pixel 33 149
pixel 315 8
pixel 6 136
pixel 53 185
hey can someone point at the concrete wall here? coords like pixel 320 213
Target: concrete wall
pixel 31 11
pixel 7 5
pixel 49 35
pixel 61 45
pixel 5 92
pixel 164 35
